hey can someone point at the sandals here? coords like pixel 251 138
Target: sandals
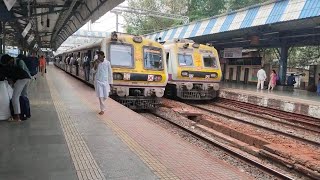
pixel 13 120
pixel 101 112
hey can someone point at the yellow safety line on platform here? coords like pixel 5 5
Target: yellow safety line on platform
pixel 153 163
pixel 84 163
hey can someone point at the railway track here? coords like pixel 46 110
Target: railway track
pixel 291 119
pixel 302 139
pixel 242 156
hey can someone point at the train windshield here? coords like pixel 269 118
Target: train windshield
pixel 152 58
pixel 185 59
pixel 209 61
pixel 121 55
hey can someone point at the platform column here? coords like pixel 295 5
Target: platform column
pixel 3 26
pixel 283 64
pixel 1 37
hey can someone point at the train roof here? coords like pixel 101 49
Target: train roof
pixel 98 42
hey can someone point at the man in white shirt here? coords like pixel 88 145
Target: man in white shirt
pixel 103 79
pixel 261 74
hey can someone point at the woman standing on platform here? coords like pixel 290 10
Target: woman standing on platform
pixel 273 80
pixel 42 65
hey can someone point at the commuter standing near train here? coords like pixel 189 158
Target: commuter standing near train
pixel 273 80
pixel 103 79
pixel 42 65
pixel 261 74
pixel 86 65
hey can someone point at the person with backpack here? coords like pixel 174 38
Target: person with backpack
pixel 20 77
pixel 32 65
pixel 20 62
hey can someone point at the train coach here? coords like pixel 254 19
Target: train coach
pixel 194 70
pixel 138 65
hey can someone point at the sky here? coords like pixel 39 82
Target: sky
pixel 107 23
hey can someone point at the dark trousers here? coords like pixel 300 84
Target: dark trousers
pixel 86 73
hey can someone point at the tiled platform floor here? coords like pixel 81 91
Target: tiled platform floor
pixel 66 139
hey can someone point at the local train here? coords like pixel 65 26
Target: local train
pixel 145 70
pixel 194 70
pixel 138 64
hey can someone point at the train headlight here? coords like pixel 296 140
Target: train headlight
pixel 185 73
pixel 121 92
pixel 216 86
pixel 157 78
pixel 137 39
pixel 114 36
pixel 117 76
pixel 195 45
pixel 159 92
pixel 213 75
pixel 189 86
pixel 186 45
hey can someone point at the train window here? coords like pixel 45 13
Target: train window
pixel 152 58
pixel 185 59
pixel 121 55
pixel 209 61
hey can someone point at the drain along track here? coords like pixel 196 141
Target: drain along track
pixel 227 149
pixel 256 125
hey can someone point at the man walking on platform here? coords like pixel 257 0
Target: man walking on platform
pixel 261 74
pixel 103 79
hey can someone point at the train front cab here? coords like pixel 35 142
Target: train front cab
pixel 194 70
pixel 139 71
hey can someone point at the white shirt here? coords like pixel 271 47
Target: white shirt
pixel 104 72
pixel 261 74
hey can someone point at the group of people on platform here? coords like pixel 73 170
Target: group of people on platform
pixel 15 76
pixel 273 79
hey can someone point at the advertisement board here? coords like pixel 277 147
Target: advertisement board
pixel 232 53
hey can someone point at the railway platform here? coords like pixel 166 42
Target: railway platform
pixel 66 139
pixel 297 101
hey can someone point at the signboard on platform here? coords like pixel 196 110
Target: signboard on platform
pixel 26 30
pixel 232 53
pixel 30 39
pixel 9 3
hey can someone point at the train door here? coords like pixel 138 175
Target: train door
pixel 167 60
pixel 231 74
pixel 238 74
pixel 246 75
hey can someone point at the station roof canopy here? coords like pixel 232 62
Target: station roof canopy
pixel 271 24
pixel 51 21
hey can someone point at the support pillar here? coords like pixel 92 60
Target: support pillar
pixel 3 25
pixel 1 37
pixel 283 64
pixel 117 22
